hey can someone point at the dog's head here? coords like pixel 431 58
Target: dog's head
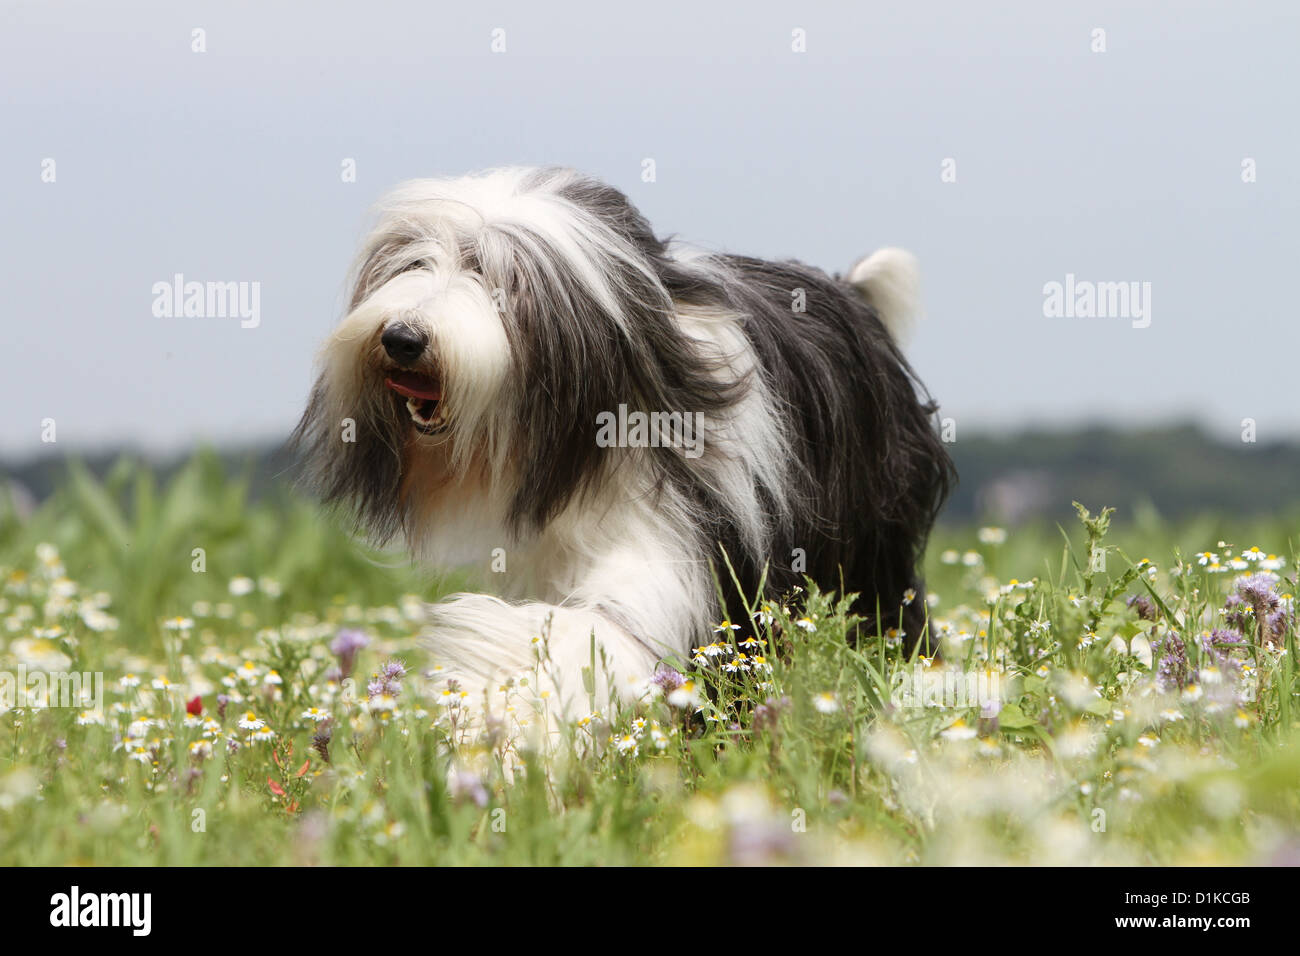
pixel 492 318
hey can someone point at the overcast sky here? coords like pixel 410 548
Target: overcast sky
pixel 1117 166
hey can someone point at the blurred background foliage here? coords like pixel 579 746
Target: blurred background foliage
pixel 126 522
pixel 1173 472
pixel 128 526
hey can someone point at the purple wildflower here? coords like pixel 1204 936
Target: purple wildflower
pixel 1278 622
pixel 1217 648
pixel 1172 671
pixel 1146 610
pixel 1259 591
pixel 1236 612
pixel 767 713
pixel 465 785
pixel 388 680
pixel 761 842
pixel 667 679
pixel 345 646
pixel 320 740
pixel 1220 637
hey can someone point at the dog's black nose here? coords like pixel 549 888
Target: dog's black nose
pixel 403 343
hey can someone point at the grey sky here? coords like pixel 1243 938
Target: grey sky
pixel 1115 166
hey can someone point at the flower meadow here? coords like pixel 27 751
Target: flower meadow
pixel 266 700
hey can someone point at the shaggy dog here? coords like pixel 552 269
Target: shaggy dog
pixel 529 382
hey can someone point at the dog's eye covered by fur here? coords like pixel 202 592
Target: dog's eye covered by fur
pixel 498 319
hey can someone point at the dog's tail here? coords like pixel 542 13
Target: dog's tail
pixel 890 280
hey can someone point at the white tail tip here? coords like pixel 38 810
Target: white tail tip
pixel 890 279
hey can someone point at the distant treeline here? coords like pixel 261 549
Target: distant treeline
pixel 1177 471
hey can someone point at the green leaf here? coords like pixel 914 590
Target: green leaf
pixel 1013 718
pixel 1099 707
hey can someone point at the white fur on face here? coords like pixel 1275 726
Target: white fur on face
pixel 467 341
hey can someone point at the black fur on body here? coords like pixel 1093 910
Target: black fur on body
pixel 870 472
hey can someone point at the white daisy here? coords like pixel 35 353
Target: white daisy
pixel 826 703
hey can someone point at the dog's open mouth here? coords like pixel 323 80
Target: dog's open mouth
pixel 423 395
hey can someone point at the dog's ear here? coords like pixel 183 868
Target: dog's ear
pixel 348 456
pixel 591 327
pixel 566 353
pixel 616 212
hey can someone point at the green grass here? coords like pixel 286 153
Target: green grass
pixel 802 756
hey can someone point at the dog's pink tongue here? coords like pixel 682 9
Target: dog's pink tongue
pixel 414 385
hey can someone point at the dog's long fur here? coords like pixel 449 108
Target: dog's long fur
pixel 546 301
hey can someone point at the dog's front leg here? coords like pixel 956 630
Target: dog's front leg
pixel 487 645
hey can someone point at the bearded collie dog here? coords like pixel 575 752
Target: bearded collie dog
pixel 625 435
